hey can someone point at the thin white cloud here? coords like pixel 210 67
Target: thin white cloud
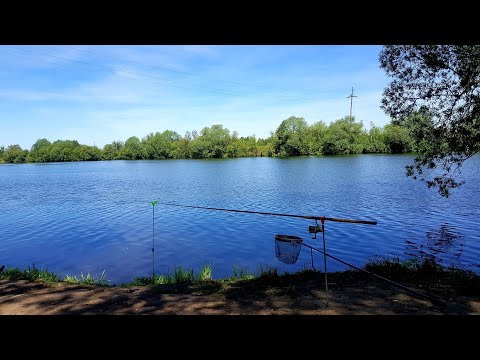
pixel 234 115
pixel 130 98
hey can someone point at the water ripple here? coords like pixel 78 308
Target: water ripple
pixel 90 217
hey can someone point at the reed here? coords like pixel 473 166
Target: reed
pixel 88 279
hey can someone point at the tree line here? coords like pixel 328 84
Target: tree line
pixel 433 101
pixel 293 137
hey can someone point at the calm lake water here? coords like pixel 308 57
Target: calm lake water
pixel 88 217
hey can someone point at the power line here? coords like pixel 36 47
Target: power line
pixel 181 72
pixel 351 100
pixel 111 68
pixel 59 64
pixel 159 67
pixel 147 75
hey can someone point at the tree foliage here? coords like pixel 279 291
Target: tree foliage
pixel 15 154
pixel 113 151
pixel 438 86
pixel 39 151
pixel 343 137
pixel 292 137
pixel 214 140
pixel 374 141
pixel 397 138
pixel 133 149
pixel 315 138
pixel 161 145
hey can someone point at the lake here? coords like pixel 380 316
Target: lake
pixel 87 217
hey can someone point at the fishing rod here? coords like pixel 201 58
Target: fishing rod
pixel 429 297
pixel 312 229
pixel 315 229
pixel 322 218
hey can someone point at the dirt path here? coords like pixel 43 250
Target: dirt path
pixel 365 297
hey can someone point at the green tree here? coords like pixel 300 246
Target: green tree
pixel 444 82
pixel 198 148
pixel 133 149
pixel 180 149
pixel 112 151
pixel 161 145
pixel 214 140
pixel 289 137
pixel 15 154
pixel 397 139
pixel 265 146
pixel 373 140
pixel 39 151
pixel 247 146
pixel 343 137
pixel 64 150
pixel 89 153
pixel 315 138
pixel 234 146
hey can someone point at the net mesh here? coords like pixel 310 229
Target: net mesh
pixel 287 248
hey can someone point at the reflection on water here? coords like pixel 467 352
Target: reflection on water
pixel 436 243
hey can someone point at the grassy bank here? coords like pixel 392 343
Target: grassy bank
pixel 179 275
pixel 427 275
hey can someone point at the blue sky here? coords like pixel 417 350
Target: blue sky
pixel 98 94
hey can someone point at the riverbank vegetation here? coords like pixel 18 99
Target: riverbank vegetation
pixel 425 274
pixel 293 137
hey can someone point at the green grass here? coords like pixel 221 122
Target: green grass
pixel 182 276
pixel 138 281
pixel 88 279
pixel 263 271
pixel 427 271
pixel 187 276
pixel 30 273
pixel 147 280
pixel 178 276
pixel 241 274
pixel 266 271
pixel 205 274
pixel 404 269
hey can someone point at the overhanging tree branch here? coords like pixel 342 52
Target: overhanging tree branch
pixel 444 81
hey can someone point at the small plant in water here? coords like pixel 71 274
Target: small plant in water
pixel 267 271
pixel 178 276
pixel 205 273
pixel 31 273
pixel 88 279
pixel 241 274
pixel 182 276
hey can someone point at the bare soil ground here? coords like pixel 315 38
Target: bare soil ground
pixel 298 295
